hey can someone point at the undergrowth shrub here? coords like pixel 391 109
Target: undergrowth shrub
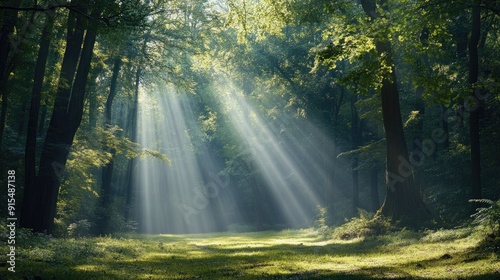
pixel 131 226
pixel 24 236
pixel 366 225
pixel 444 235
pixel 320 224
pixel 489 219
pixel 79 228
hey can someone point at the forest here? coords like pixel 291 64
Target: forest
pixel 250 139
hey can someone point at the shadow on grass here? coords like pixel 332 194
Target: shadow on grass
pixel 173 270
pixel 103 258
pixel 261 267
pixel 282 251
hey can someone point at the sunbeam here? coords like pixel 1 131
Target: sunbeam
pixel 296 174
pixel 290 158
pixel 188 195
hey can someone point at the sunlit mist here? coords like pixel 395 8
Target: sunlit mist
pixel 289 158
pixel 186 195
pixel 290 153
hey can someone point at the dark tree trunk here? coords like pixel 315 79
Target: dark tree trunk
pixel 420 107
pixel 43 116
pixel 133 138
pixel 21 118
pixel 50 164
pixel 403 198
pixel 92 99
pixel 8 23
pixel 417 153
pixel 475 153
pixel 36 94
pixel 460 35
pixel 54 57
pixel 355 185
pixel 357 142
pixel 107 170
pixel 65 120
pixel 3 113
pixel 112 91
pixel 328 191
pixel 446 128
pixel 77 101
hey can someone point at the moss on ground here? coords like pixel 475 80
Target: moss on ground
pixel 289 254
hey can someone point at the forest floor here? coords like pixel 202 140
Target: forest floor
pixel 288 254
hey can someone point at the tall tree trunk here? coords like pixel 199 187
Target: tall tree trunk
pixel 21 118
pixel 65 120
pixel 93 98
pixel 417 153
pixel 107 170
pixel 54 57
pixel 3 113
pixel 36 94
pixel 43 116
pixel 50 167
pixel 328 191
pixel 357 142
pixel 475 154
pixel 133 138
pixel 403 198
pixel 8 23
pixel 419 105
pixel 77 101
pixel 446 128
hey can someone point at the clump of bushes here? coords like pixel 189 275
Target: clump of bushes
pixel 366 225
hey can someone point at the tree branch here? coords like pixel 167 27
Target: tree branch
pixel 37 9
pixel 54 7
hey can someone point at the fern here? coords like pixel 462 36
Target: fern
pixel 482 200
pixel 488 217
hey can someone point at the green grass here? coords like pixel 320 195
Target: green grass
pixel 289 254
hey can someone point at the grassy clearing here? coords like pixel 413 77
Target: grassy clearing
pixel 289 254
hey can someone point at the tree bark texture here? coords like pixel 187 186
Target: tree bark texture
pixel 36 95
pixel 8 23
pixel 107 170
pixel 66 117
pixel 475 148
pixel 402 199
pixel 133 138
pixel 357 142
